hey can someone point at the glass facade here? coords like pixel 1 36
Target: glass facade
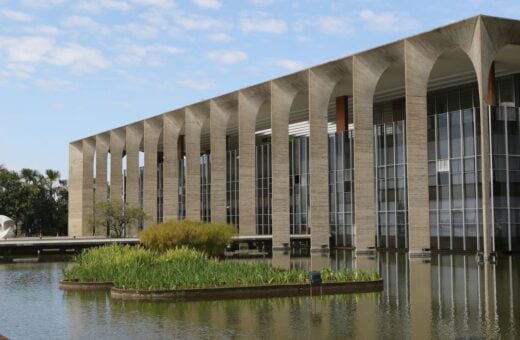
pixel 453 133
pixel 264 222
pixel 232 193
pixel 390 185
pixel 341 188
pixel 505 165
pixel 205 187
pixel 299 185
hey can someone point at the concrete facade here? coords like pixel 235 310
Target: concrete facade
pixel 407 69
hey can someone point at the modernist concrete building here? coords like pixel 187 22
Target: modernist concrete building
pixel 411 145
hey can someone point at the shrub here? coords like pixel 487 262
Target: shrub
pixel 210 238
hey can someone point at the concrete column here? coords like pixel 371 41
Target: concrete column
pixel 368 68
pixel 195 117
pixel 364 85
pixel 281 101
pixel 152 132
pixel 320 89
pixel 219 115
pixel 172 123
pixel 117 142
pixel 89 146
pixel 482 57
pixel 75 219
pixel 102 142
pixel 249 103
pixel 81 193
pixel 134 135
pixel 419 61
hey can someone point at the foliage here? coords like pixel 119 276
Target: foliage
pixel 210 238
pixel 37 203
pixel 114 217
pixel 138 268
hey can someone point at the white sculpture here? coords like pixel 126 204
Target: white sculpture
pixel 7 227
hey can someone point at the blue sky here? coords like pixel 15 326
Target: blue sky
pixel 72 68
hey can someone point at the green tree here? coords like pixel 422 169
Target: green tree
pixel 114 218
pixel 37 203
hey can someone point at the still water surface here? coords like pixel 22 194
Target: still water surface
pixel 450 297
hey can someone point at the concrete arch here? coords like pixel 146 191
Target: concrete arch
pixel 102 145
pixel 250 103
pixel 195 118
pixel 117 145
pixel 368 69
pixel 421 54
pixel 222 109
pixel 152 131
pixel 173 126
pixel 323 81
pixel 283 94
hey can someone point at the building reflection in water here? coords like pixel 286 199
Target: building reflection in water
pixel 445 296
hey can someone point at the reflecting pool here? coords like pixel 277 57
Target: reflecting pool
pixel 448 296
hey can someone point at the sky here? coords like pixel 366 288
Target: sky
pixel 72 68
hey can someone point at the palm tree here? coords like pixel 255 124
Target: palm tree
pixel 52 177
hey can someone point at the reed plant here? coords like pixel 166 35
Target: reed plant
pixel 138 268
pixel 211 238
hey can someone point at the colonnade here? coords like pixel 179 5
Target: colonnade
pixel 357 76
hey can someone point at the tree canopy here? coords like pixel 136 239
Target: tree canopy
pixel 113 218
pixel 36 202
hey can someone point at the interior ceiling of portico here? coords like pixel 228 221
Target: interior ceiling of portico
pixel 452 68
pixel 507 60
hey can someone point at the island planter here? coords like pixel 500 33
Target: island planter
pixel 251 292
pixel 78 285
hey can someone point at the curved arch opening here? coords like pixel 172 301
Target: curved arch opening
pixel 341 163
pixel 503 96
pixel 453 137
pixel 389 122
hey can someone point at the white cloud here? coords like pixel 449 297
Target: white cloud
pixel 22 55
pixel 15 15
pixel 148 54
pixel 140 31
pixel 334 25
pixel 52 84
pixel 79 58
pixel 94 6
pixel 288 64
pixel 156 3
pixel 24 49
pixel 79 21
pixel 227 56
pixel 388 21
pixel 42 30
pixel 42 3
pixel 197 84
pixel 198 22
pixel 220 37
pixel 262 2
pixel 207 4
pixel 262 22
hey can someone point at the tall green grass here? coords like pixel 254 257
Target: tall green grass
pixel 137 268
pixel 210 238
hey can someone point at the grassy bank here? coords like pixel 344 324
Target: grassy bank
pixel 137 268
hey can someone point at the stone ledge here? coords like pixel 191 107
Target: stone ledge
pixel 227 293
pixel 78 285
